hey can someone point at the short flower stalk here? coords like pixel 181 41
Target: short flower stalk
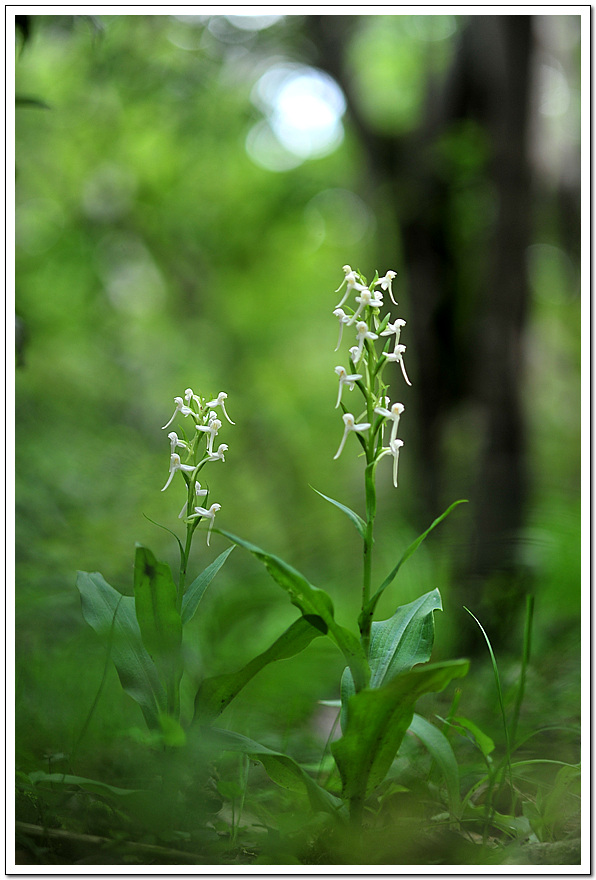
pixel 194 453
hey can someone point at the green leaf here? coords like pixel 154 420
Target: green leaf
pixel 217 692
pixel 356 520
pixel 370 608
pixel 158 618
pixel 92 785
pixel 484 742
pixel 402 641
pixel 377 721
pixel 112 616
pixel 440 750
pixel 27 101
pixel 313 602
pixel 397 644
pixel 282 769
pixel 155 601
pixel 194 593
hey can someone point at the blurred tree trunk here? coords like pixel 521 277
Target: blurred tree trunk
pixel 478 358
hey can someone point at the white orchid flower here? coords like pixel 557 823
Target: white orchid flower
pixel 220 401
pixel 352 282
pixel 176 465
pixel 385 283
pixel 393 449
pixel 219 455
pixel 362 333
pixel 355 354
pixel 394 327
pixel 350 425
pixel 175 441
pixel 211 429
pixel 190 395
pixel 394 414
pixel 397 357
pixel 345 379
pixel 200 512
pixel 343 319
pixel 180 408
pixel 366 298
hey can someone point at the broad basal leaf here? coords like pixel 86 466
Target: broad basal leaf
pixel 377 721
pixel 112 616
pixel 216 693
pixel 313 602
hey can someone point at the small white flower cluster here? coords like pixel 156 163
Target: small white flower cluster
pixel 365 319
pixel 207 425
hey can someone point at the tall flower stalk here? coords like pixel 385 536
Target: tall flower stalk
pixel 369 362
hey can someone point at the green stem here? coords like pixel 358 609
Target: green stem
pixel 371 509
pixel 524 667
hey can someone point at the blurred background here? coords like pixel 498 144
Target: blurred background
pixel 188 190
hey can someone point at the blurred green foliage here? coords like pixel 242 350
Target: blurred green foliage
pixel 153 254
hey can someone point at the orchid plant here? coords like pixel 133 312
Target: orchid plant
pixel 387 662
pixel 144 631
